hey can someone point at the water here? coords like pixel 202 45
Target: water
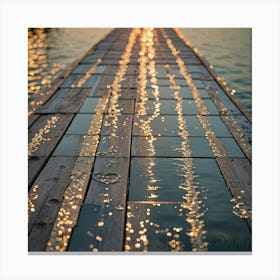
pixel 227 49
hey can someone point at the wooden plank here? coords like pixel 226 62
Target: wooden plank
pixel 126 106
pixel 35 165
pixel 84 68
pixel 100 92
pixel 80 81
pixel 156 227
pixel 45 220
pixel 128 93
pixel 46 132
pixel 239 135
pixel 65 101
pixel 56 174
pixel 70 206
pixel 130 82
pixel 115 136
pixel 104 208
pixel 111 175
pixel 92 58
pixel 110 61
pixel 77 145
pixel 236 170
pixel 105 82
pixel 98 229
pixel 31 119
pixel 238 176
pixel 246 127
pixel 223 103
pixel 132 69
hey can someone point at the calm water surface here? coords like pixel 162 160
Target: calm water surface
pixel 227 49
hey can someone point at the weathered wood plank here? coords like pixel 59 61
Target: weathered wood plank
pixel 32 118
pixel 46 132
pixel 35 165
pixel 126 106
pixel 56 174
pixel 65 101
pixel 223 103
pixel 77 145
pixel 238 176
pixel 236 170
pixel 100 92
pixel 115 138
pixel 156 227
pixel 80 81
pixel 92 58
pixel 70 207
pixel 132 69
pixel 239 135
pixel 114 146
pixel 105 82
pixel 98 229
pixel 45 220
pixel 130 82
pixel 110 175
pixel 246 127
pixel 84 68
pixel 110 61
pixel 104 211
pixel 127 93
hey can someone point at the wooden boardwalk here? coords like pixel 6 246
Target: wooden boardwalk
pixel 138 146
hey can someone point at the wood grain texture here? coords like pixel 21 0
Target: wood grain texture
pixel 238 176
pixel 236 169
pixel 32 118
pixel 70 207
pixel 35 165
pixel 46 132
pixel 126 106
pixel 115 137
pixel 54 177
pixel 65 101
pixel 104 210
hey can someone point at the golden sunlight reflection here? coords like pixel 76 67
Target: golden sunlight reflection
pixel 240 208
pixel 231 123
pixel 147 68
pixel 40 70
pixel 215 144
pixel 114 112
pixel 32 198
pixel 40 137
pixel 193 203
pixel 87 75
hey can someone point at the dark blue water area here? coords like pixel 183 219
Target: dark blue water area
pixel 229 50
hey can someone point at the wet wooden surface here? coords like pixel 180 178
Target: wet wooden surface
pixel 138 147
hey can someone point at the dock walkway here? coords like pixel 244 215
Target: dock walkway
pixel 138 146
